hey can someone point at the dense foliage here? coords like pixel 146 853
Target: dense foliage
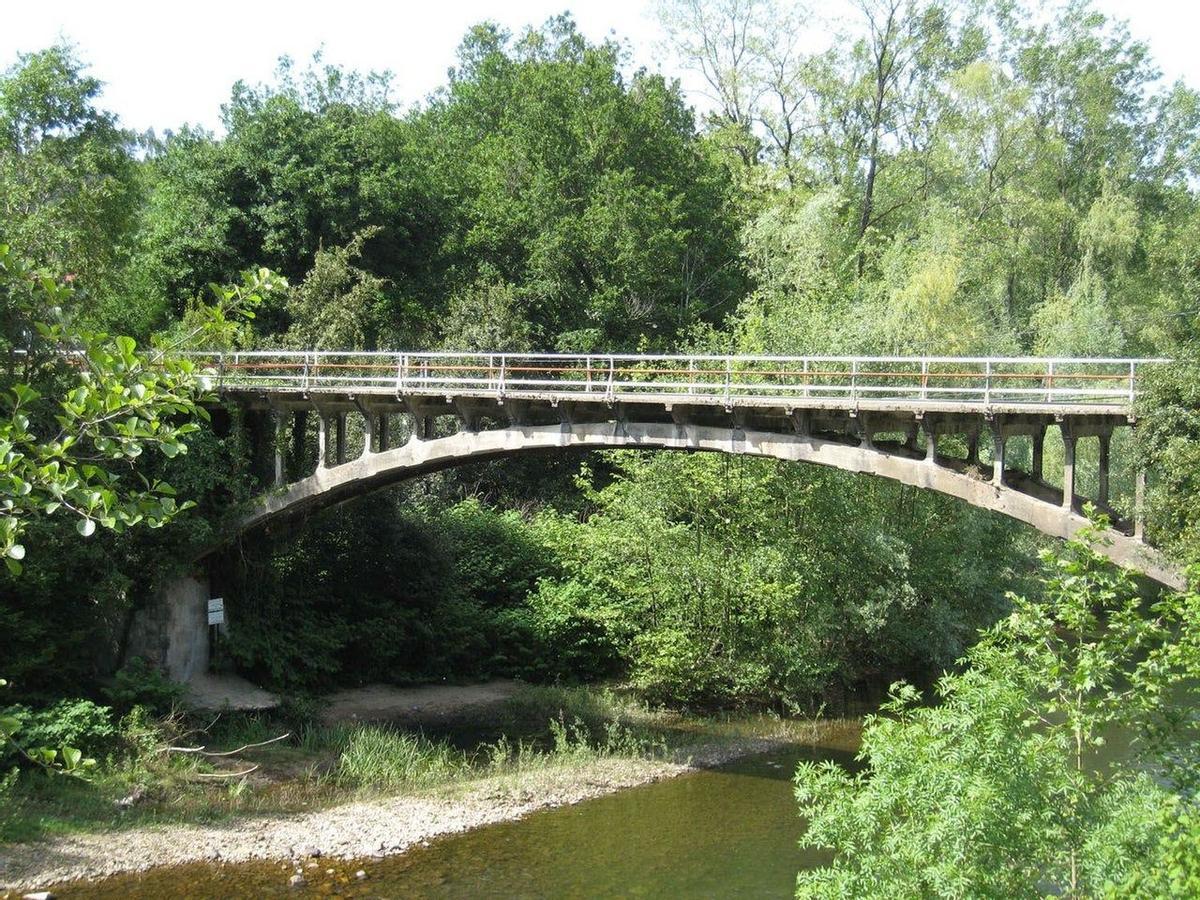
pixel 433 595
pixel 1007 786
pixel 718 579
pixel 946 178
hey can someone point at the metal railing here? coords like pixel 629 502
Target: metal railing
pixel 849 380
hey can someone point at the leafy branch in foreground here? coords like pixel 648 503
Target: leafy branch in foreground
pixel 1006 786
pixel 63 759
pixel 78 408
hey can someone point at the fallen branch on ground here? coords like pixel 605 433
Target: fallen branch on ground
pixel 213 753
pixel 225 774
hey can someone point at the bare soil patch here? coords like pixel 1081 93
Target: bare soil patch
pixel 385 702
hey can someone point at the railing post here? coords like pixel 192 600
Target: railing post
pixel 924 378
pixel 500 383
pixel 807 381
pixel 728 380
pixel 609 391
pixel 987 382
pixel 401 372
pixel 304 384
pixel 1132 383
pixel 854 381
pixel 587 362
pixel 691 375
pixel 1050 381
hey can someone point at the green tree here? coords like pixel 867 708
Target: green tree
pixel 716 579
pixel 314 162
pixel 1169 439
pixel 1002 788
pixel 69 185
pixel 585 192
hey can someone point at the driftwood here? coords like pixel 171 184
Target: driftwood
pixel 216 754
pixel 225 774
pixel 202 751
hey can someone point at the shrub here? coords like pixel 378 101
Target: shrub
pixel 138 683
pixel 81 724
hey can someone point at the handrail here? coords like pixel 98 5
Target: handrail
pixel 968 381
pixel 684 357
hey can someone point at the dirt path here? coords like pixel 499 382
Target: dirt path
pixel 207 691
pixel 379 702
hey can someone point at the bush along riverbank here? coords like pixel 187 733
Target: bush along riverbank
pixel 286 784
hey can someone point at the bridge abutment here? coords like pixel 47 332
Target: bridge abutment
pixel 171 632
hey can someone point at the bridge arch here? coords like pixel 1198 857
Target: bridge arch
pixel 376 470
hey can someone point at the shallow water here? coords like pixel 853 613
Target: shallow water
pixel 729 832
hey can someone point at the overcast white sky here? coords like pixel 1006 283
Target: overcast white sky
pixel 165 63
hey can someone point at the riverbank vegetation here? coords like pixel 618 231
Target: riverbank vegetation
pixel 942 178
pixel 1054 762
pixel 174 769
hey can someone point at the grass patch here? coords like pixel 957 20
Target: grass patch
pixel 387 759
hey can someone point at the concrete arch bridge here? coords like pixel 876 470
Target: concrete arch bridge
pixel 335 425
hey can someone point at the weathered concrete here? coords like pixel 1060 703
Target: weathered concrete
pixel 418 457
pixel 172 631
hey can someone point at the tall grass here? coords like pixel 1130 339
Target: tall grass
pixel 386 758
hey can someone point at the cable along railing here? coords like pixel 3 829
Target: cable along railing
pixel 903 380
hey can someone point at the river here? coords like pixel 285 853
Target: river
pixel 729 832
